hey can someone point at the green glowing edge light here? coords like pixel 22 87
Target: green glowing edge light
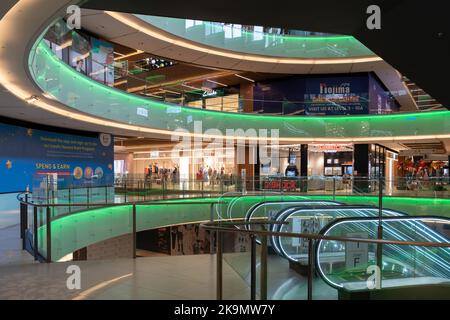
pixel 76 231
pixel 433 122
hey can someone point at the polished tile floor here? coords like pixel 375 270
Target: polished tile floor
pixel 11 252
pixel 176 277
pixel 170 277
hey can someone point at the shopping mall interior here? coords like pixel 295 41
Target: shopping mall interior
pixel 291 153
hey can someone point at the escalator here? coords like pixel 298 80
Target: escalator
pixel 401 265
pixel 344 265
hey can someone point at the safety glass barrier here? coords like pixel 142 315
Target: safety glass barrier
pixel 63 189
pixel 432 198
pixel 260 40
pixel 237 258
pixel 350 257
pixel 78 51
pixel 56 236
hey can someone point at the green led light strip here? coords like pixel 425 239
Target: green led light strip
pixel 76 231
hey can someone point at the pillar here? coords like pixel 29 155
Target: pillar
pixel 360 168
pixel 304 167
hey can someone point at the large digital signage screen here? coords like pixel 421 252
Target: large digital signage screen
pixel 27 154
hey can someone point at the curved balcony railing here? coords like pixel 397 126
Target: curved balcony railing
pixel 76 212
pixel 62 83
pixel 400 265
pixel 406 264
pixel 259 40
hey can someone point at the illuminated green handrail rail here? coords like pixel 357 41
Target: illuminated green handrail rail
pixel 64 84
pixel 238 38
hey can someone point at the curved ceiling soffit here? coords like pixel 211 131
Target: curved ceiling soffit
pixel 28 17
pixel 133 32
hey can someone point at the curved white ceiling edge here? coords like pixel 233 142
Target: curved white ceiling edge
pixel 31 18
pixel 130 31
pixel 181 43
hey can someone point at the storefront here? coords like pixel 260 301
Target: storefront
pixel 160 163
pixel 213 97
pixel 422 171
pixel 329 160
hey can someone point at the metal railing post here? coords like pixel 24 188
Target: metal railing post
pixel 23 220
pixel 253 267
pixel 263 279
pixel 334 188
pixel 380 224
pixel 87 196
pixel 49 234
pixel 219 254
pixel 134 231
pixel 106 194
pixel 126 191
pixel 145 190
pixel 211 219
pixel 35 232
pixel 203 185
pixel 310 267
pixel 163 189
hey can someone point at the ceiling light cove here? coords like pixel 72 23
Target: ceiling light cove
pixel 159 34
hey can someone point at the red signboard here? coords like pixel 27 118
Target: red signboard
pixel 280 185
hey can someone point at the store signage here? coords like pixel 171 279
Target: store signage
pixel 343 88
pixel 356 253
pixel 142 112
pixel 336 95
pixel 330 147
pixel 277 185
pixel 208 92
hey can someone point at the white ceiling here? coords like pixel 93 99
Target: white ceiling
pixel 19 28
pixel 106 26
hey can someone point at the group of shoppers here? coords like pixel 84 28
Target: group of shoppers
pixel 154 172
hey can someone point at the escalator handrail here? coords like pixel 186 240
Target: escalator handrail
pixel 333 223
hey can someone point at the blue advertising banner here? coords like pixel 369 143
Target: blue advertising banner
pixel 74 160
pixel 337 95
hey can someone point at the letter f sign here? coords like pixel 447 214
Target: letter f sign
pixel 74 18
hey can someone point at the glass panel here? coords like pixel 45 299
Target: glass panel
pixel 262 41
pixel 61 82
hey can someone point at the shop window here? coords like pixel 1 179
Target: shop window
pixel 119 167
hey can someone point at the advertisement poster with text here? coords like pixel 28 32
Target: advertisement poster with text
pixel 28 156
